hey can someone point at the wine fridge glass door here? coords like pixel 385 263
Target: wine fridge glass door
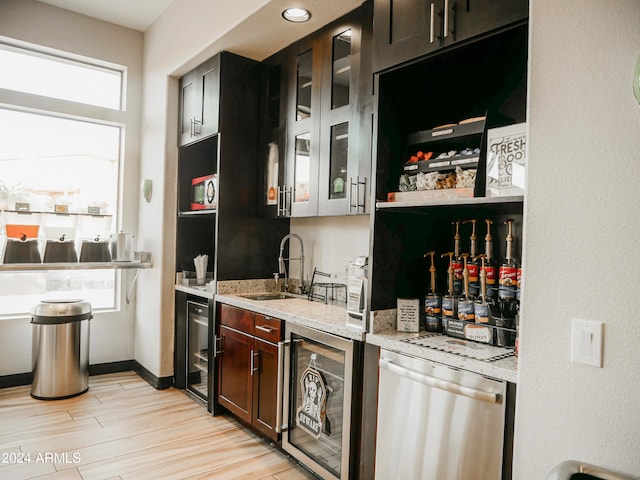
pixel 319 401
pixel 198 349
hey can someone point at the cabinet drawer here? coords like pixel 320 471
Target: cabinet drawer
pixel 237 318
pixel 268 328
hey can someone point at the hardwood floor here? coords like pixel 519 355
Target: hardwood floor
pixel 123 428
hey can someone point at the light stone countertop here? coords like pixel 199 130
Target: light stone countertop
pixel 504 369
pixel 300 311
pixel 198 291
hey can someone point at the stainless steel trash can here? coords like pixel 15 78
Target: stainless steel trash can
pixel 60 349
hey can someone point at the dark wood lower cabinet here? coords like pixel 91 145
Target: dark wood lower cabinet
pixel 248 367
pixel 234 372
pixel 265 385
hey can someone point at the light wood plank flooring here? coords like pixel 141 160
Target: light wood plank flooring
pixel 122 428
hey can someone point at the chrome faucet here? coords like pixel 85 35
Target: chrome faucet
pixel 281 266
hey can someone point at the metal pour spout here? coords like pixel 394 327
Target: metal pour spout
pixel 281 266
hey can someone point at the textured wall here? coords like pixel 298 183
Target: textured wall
pixel 581 238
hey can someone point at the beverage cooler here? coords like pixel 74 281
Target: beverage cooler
pixel 198 356
pixel 319 396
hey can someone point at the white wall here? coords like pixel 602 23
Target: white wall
pixel 581 238
pixel 41 24
pixel 329 244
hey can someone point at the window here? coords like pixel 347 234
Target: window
pixel 26 71
pixel 63 169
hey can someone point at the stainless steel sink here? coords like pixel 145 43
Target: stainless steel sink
pixel 269 296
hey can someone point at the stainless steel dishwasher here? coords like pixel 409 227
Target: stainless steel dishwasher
pixel 437 422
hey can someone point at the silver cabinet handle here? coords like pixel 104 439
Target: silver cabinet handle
pixel 283 208
pixel 440 384
pixel 445 22
pixel 196 131
pixel 217 350
pixel 265 328
pixel 355 206
pixel 351 185
pixel 279 202
pixel 279 389
pixel 287 206
pixel 255 354
pixel 432 23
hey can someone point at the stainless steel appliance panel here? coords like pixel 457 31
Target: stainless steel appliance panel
pixel 437 423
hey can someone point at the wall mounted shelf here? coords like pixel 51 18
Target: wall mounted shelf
pixel 25 267
pixel 443 202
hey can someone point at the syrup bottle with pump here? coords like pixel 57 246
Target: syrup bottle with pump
pixel 472 264
pixel 432 300
pixel 465 302
pixel 490 264
pixel 456 262
pixel 450 300
pixel 485 307
pixel 507 278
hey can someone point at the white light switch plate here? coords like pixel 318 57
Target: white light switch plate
pixel 586 342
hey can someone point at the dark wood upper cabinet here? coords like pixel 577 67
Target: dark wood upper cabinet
pixel 199 102
pixel 226 108
pixel 408 29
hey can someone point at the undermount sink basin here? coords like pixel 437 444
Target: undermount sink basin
pixel 269 296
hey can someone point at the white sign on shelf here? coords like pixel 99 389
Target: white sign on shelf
pixel 506 160
pixel 408 315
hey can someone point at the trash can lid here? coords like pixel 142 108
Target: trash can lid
pixel 61 311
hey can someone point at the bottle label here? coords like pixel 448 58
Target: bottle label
pixel 492 281
pixel 474 282
pixel 466 311
pixel 482 312
pixel 457 276
pixel 507 282
pixel 433 305
pixel 518 280
pixel 448 307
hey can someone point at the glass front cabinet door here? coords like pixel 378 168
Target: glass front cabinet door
pixel 326 174
pixel 337 116
pixel 300 194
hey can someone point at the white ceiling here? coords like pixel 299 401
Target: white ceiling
pixel 134 14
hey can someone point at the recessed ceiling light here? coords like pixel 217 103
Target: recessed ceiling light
pixel 297 15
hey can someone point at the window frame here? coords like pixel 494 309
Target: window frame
pixel 67 109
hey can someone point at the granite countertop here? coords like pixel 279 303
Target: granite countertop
pixel 502 369
pixel 199 290
pixel 300 311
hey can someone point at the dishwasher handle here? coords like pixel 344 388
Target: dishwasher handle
pixel 439 383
